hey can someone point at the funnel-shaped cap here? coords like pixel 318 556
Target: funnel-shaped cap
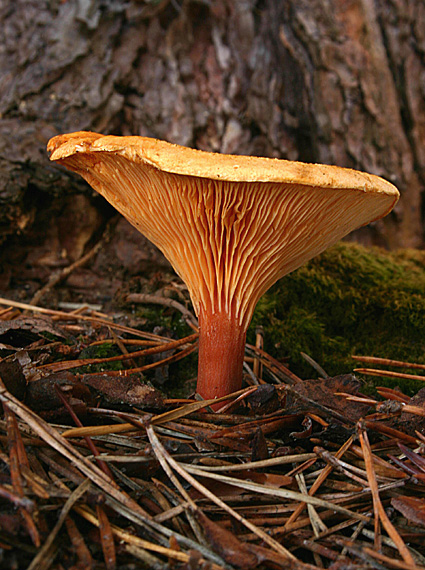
pixel 230 225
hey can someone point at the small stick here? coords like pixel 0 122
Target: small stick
pixel 238 400
pixel 316 522
pixel 158 300
pixel 387 560
pixel 391 394
pixel 121 346
pixel 135 540
pixel 6 314
pixel 390 432
pixel 52 437
pixel 16 499
pixel 276 492
pixel 168 416
pixel 343 467
pixel 66 271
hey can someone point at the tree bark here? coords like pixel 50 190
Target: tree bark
pixel 312 80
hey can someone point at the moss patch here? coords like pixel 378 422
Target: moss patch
pixel 104 350
pixel 349 300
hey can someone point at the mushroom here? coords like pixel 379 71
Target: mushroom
pixel 231 226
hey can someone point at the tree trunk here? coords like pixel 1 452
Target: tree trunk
pixel 311 80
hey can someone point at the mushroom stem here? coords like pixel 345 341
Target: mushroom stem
pixel 230 225
pixel 221 354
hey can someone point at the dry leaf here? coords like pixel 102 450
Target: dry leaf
pixel 412 508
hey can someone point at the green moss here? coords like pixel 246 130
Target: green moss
pixel 349 300
pixel 171 323
pixel 104 350
pixel 167 319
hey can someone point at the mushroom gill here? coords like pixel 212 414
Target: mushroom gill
pixel 230 225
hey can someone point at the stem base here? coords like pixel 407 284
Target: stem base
pixel 221 354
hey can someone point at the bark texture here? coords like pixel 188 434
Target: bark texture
pixel 333 81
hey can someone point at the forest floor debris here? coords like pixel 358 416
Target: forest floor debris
pixel 101 468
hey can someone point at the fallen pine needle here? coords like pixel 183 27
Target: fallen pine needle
pixel 380 513
pixel 37 562
pixel 86 513
pixel 388 373
pixel 199 487
pixel 387 362
pixel 283 493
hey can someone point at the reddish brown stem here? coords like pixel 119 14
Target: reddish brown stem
pixel 221 353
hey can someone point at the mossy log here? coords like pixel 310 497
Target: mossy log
pixel 349 300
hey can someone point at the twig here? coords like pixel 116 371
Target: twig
pixel 224 409
pixel 159 419
pixel 272 462
pixel 15 499
pixel 343 467
pixel 104 466
pixel 191 505
pixel 85 559
pixel 253 379
pixel 146 557
pixel 66 271
pixel 121 346
pixel 165 301
pixel 388 561
pixel 390 432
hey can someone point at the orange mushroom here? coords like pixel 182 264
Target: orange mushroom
pixel 230 225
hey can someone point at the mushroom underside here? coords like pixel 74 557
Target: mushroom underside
pixel 230 226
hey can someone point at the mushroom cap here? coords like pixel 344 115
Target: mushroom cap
pixel 230 225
